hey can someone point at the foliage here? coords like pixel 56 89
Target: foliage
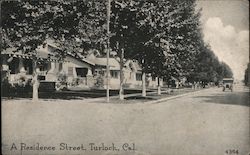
pixel 164 36
pixel 61 81
pixel 29 23
pixel 99 82
pixel 208 68
pixel 161 34
pixel 21 85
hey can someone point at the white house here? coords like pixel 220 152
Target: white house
pixel 18 66
pixel 100 71
pixel 132 74
pixel 78 70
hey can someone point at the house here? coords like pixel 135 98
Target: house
pixel 51 65
pixel 78 70
pixel 18 67
pixel 152 81
pixel 15 65
pixel 100 75
pixel 132 74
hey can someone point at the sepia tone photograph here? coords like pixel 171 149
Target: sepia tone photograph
pixel 125 77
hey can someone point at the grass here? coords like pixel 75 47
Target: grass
pixel 138 98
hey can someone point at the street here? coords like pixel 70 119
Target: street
pixel 205 122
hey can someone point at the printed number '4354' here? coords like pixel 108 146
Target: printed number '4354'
pixel 232 151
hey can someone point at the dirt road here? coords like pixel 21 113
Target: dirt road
pixel 209 122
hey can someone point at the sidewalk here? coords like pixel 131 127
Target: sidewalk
pixel 152 97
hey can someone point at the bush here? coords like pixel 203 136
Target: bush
pixel 61 81
pixel 99 82
pixel 21 85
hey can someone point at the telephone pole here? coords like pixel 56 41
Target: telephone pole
pixel 108 48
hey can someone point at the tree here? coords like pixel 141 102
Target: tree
pixel 164 36
pixel 139 27
pixel 208 68
pixel 121 26
pixel 27 24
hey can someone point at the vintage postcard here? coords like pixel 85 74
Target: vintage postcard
pixel 125 77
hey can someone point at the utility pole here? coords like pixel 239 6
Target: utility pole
pixel 108 48
pixel 1 26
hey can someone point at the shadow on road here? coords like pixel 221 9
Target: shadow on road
pixel 231 98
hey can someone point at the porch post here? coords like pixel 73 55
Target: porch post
pixel 89 78
pixel 21 66
pixel 51 75
pixel 89 72
pixel 53 66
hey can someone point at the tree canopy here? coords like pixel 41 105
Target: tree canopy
pixel 165 36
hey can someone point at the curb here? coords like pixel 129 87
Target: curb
pixel 148 102
pixel 176 96
pixel 117 96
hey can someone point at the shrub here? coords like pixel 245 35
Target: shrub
pixel 61 83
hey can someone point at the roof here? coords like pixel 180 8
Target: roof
pixel 40 54
pixel 53 44
pixel 80 57
pixel 113 63
pixel 134 65
pixel 9 50
pixel 229 79
pixel 137 66
pixel 12 52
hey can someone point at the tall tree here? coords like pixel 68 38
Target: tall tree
pixel 208 68
pixel 27 24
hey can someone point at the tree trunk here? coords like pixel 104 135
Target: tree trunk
pixel 121 92
pixel 35 88
pixel 35 83
pixel 158 78
pixel 159 86
pixel 143 82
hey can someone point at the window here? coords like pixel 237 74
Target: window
pixel 81 72
pixel 99 72
pixel 138 77
pixel 28 66
pixel 114 74
pixel 13 66
pixel 153 78
pixel 41 77
pixel 43 66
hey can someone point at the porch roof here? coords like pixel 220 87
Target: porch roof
pixel 13 52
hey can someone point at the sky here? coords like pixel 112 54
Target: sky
pixel 225 25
